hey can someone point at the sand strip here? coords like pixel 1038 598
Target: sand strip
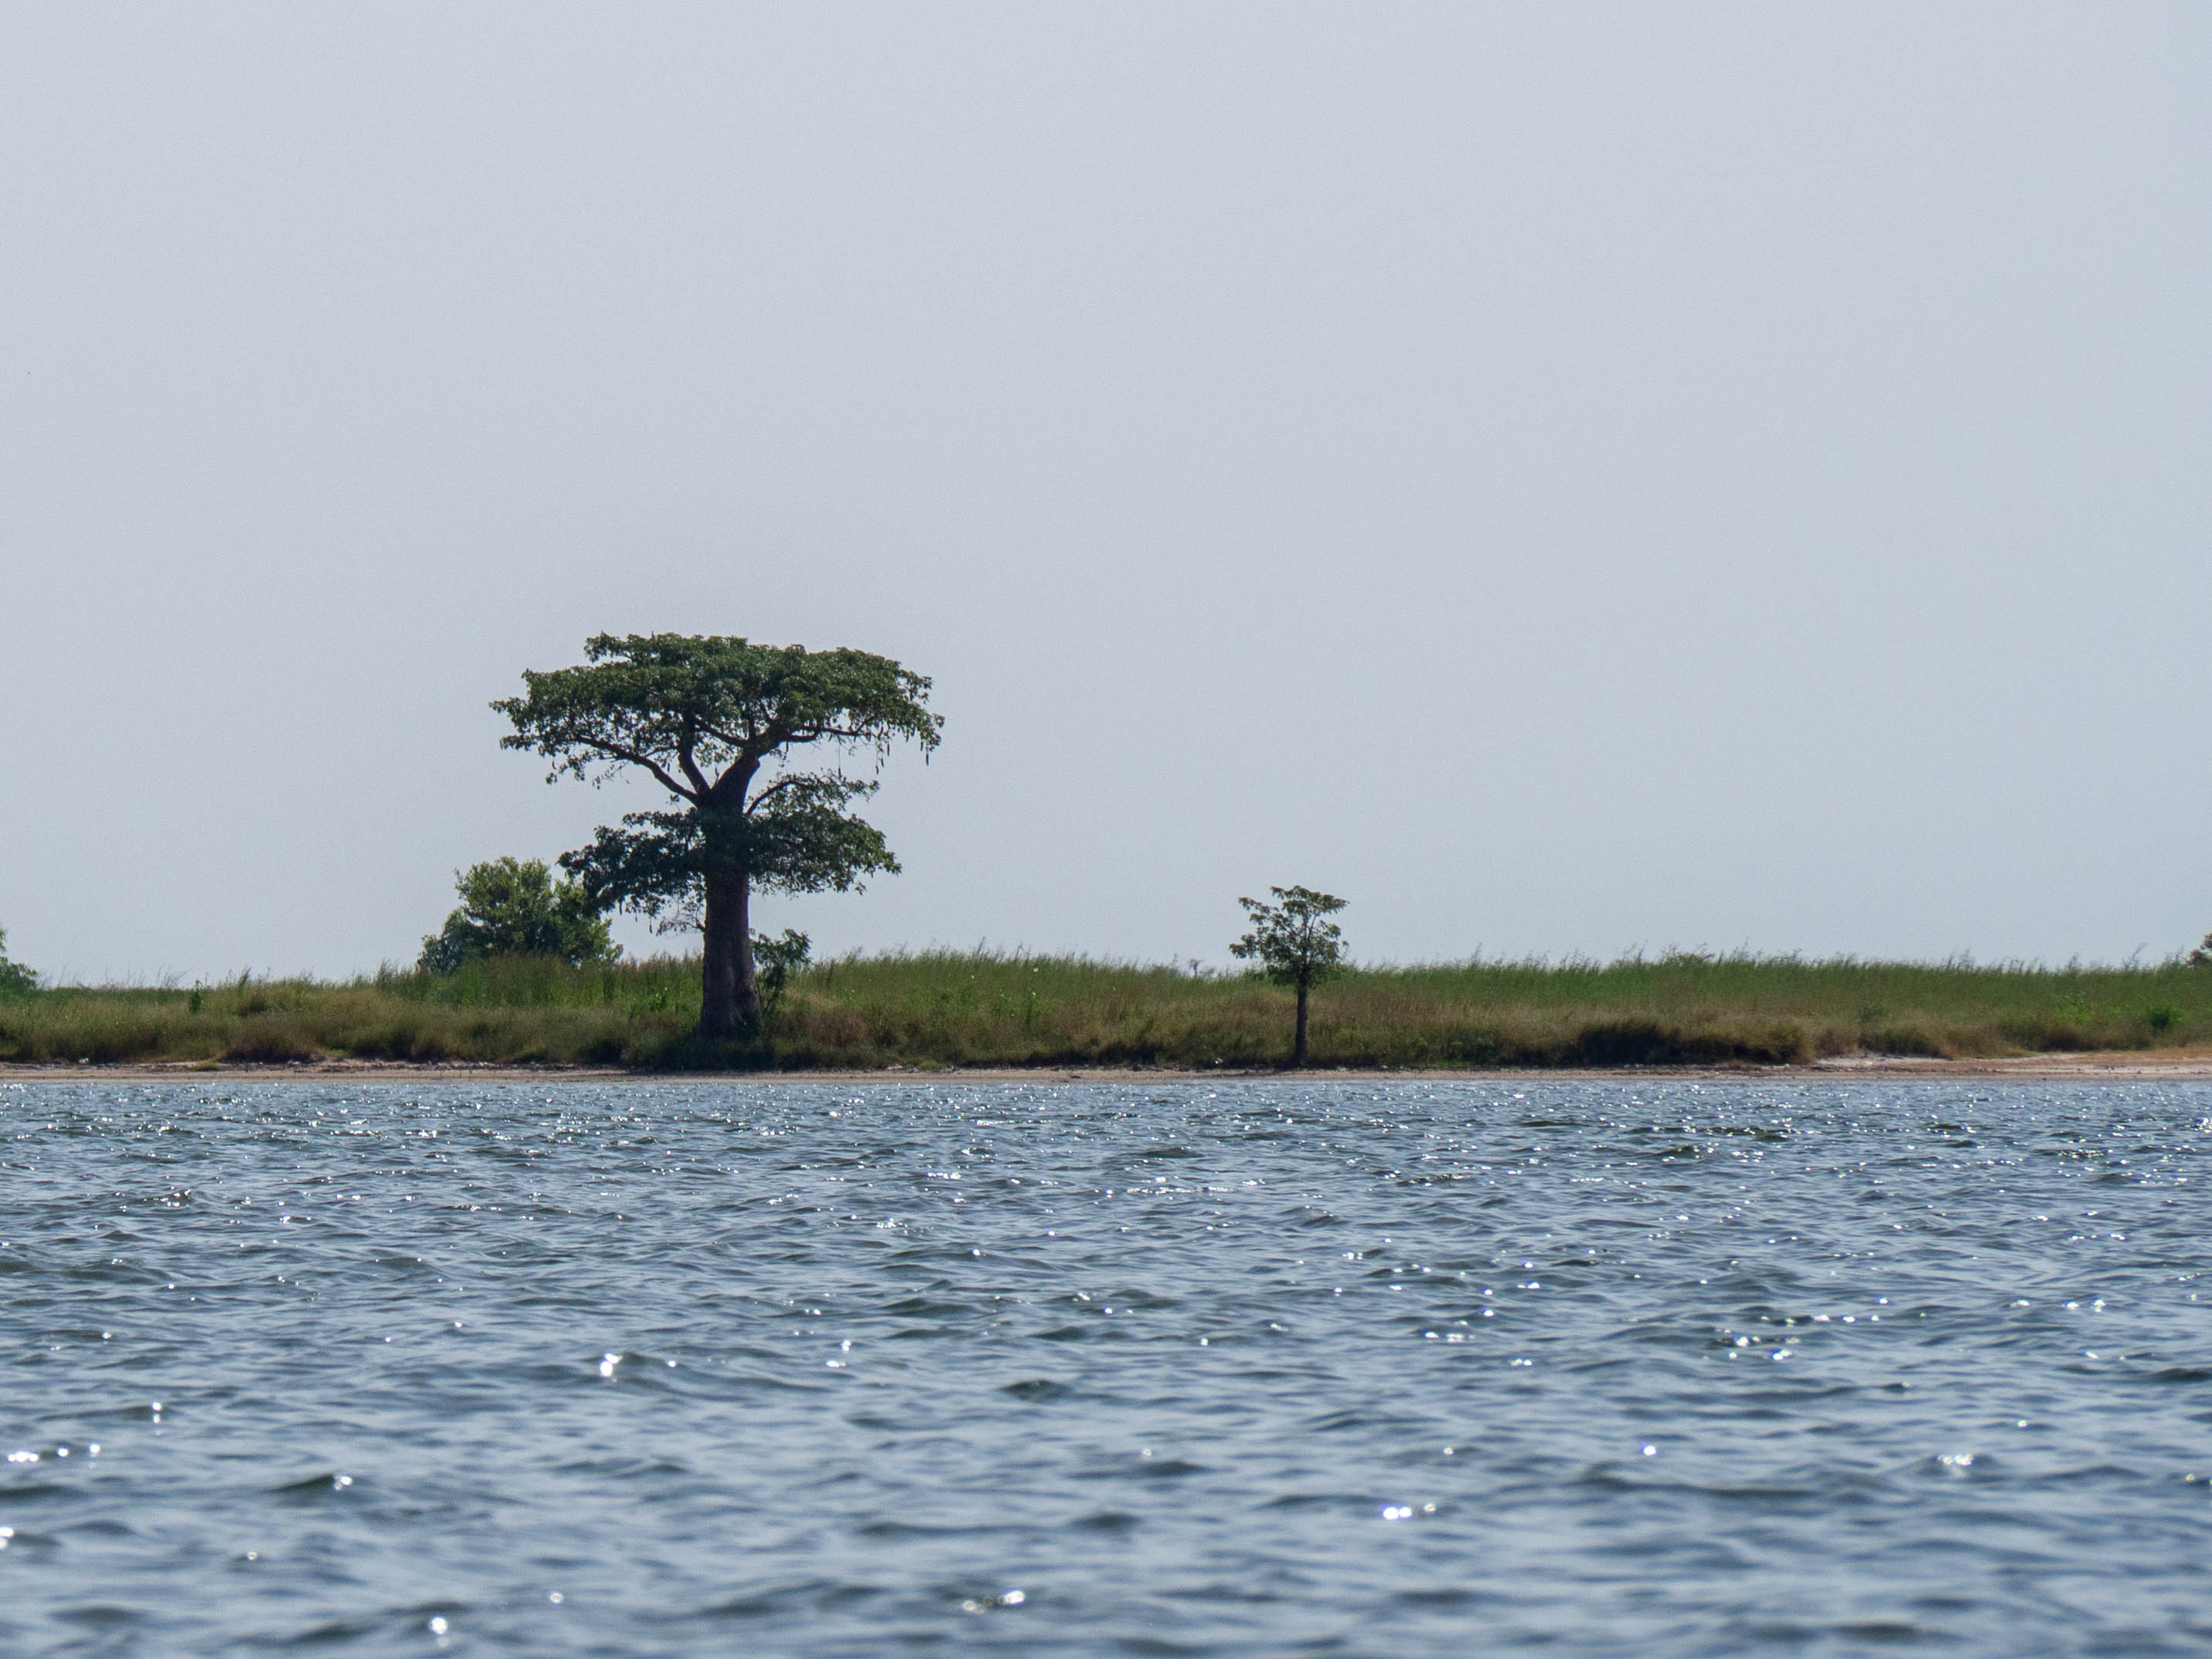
pixel 2178 1065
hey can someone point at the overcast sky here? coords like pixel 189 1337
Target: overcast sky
pixel 1565 477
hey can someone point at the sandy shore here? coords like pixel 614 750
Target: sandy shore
pixel 2192 1064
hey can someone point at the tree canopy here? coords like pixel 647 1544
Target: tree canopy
pixel 717 721
pixel 514 906
pixel 799 841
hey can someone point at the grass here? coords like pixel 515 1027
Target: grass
pixel 937 1009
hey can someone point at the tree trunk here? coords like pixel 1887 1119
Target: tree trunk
pixel 1298 1048
pixel 729 1002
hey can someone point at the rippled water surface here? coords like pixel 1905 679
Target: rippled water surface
pixel 1261 1368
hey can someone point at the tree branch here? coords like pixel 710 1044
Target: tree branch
pixel 730 739
pixel 777 788
pixel 791 780
pixel 684 755
pixel 616 751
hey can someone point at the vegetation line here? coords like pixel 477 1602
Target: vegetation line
pixel 943 1008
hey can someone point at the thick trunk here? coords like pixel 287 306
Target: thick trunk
pixel 1298 1048
pixel 729 1004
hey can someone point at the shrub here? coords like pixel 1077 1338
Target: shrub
pixel 514 908
pixel 777 960
pixel 16 980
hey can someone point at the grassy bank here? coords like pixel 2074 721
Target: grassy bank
pixel 945 1009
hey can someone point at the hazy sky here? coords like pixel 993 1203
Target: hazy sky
pixel 1564 477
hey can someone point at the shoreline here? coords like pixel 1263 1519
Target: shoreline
pixel 2190 1065
pixel 982 1015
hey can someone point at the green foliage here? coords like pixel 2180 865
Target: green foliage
pixel 16 980
pixel 514 906
pixel 1293 941
pixel 778 959
pixel 797 842
pixel 682 705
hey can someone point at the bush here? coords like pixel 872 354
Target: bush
pixel 775 961
pixel 16 980
pixel 513 907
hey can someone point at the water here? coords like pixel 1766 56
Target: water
pixel 1261 1368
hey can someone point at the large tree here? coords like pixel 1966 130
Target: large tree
pixel 716 722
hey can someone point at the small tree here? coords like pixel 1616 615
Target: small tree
pixel 2201 956
pixel 16 980
pixel 775 961
pixel 513 907
pixel 1294 943
pixel 716 722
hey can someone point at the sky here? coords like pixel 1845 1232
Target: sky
pixel 1566 478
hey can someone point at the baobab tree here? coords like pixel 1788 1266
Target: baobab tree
pixel 718 723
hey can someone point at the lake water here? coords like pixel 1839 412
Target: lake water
pixel 1324 1367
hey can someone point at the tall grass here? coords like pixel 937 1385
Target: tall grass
pixel 509 1011
pixel 942 1008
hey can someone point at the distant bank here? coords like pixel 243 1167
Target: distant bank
pixel 1024 1014
pixel 2191 1065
